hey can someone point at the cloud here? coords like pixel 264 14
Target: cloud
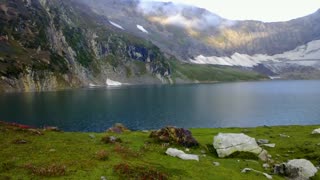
pixel 179 14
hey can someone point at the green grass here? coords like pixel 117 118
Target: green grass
pixel 71 155
pixel 211 73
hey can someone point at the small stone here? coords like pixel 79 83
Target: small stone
pixel 103 178
pixel 203 151
pixel 318 144
pixel 20 141
pixel 269 145
pixel 203 155
pixel 284 136
pixel 262 141
pixel 266 165
pixel 92 136
pixel 187 149
pixel 216 163
pixel 145 131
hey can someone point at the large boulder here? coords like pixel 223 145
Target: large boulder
pixel 229 143
pixel 175 135
pixel 305 169
pixel 316 131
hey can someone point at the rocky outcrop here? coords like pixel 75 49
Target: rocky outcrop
pixel 229 143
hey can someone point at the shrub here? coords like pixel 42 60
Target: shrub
pixel 102 155
pixel 127 171
pixel 49 171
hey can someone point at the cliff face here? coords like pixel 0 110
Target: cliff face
pixel 46 45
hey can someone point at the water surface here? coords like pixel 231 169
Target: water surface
pixel 241 104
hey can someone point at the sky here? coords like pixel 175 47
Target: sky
pixel 263 10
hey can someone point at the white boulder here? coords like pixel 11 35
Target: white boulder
pixel 316 131
pixel 229 143
pixel 305 169
pixel 180 154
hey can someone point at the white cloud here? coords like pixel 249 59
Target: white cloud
pixel 266 10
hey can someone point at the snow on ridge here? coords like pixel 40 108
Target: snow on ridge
pixel 310 51
pixel 110 82
pixel 116 25
pixel 141 28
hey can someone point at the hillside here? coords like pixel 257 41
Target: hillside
pixel 49 45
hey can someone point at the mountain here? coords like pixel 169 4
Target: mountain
pixel 196 35
pixel 57 44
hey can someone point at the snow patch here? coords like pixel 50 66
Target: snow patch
pixel 141 28
pixel 307 55
pixel 116 25
pixel 110 82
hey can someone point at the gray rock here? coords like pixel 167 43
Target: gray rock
pixel 266 166
pixel 279 169
pixel 103 178
pixel 262 141
pixel 284 136
pixel 300 169
pixel 316 131
pixel 245 170
pixel 269 145
pixel 180 154
pixel 229 143
pixel 216 163
pixel 92 136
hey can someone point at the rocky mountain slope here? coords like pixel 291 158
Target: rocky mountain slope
pixel 188 31
pixel 56 44
pixel 196 35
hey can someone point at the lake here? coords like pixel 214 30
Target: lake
pixel 238 104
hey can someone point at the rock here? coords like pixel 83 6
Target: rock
pixel 118 128
pixel 145 131
pixel 262 141
pixel 111 139
pixel 216 163
pixel 269 145
pixel 187 149
pixel 279 169
pixel 229 143
pixel 20 141
pixel 180 154
pixel 316 131
pixel 266 165
pixel 103 178
pixel 175 135
pixel 245 170
pixel 92 136
pixel 300 169
pixel 52 128
pixel 318 144
pixel 284 136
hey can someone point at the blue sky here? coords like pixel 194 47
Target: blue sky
pixel 263 10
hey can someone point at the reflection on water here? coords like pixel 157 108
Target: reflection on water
pixel 150 107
